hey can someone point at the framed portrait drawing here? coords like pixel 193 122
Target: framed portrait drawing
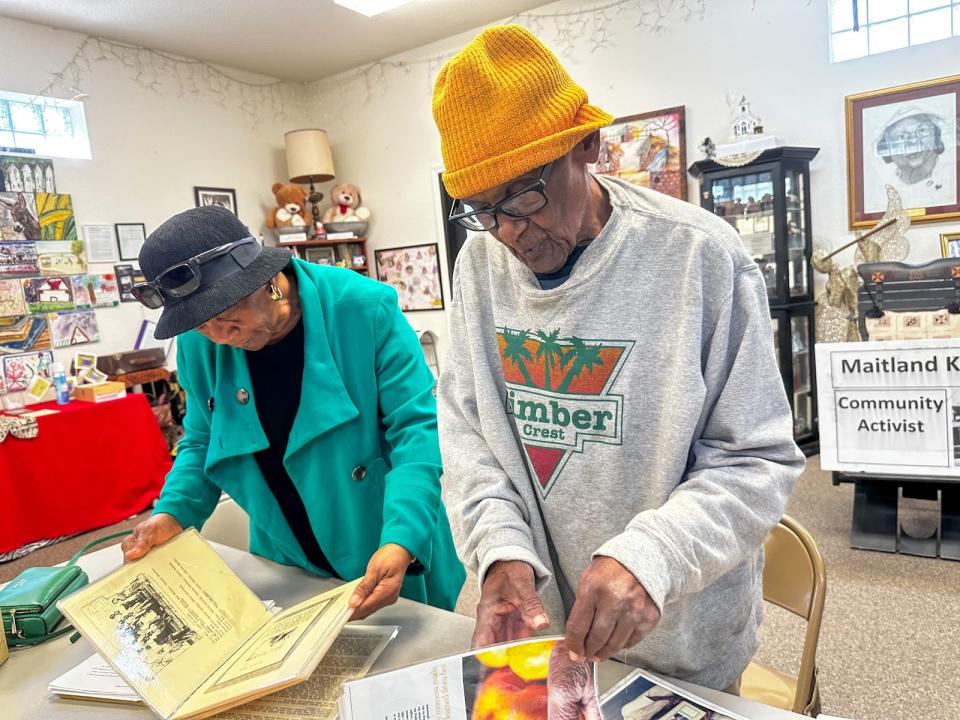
pixel 648 149
pixel 906 137
pixel 224 197
pixel 950 244
pixel 414 272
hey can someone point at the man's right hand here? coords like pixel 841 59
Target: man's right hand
pixel 509 607
pixel 155 530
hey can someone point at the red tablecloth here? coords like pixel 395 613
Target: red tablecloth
pixel 91 465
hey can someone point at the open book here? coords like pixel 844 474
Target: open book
pixel 191 639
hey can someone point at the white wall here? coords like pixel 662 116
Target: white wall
pixel 149 150
pixel 776 53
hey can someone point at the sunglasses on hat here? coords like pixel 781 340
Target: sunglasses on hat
pixel 184 278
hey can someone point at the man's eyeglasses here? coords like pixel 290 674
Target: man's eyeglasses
pixel 521 204
pixel 184 278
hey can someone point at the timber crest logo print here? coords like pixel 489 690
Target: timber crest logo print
pixel 559 396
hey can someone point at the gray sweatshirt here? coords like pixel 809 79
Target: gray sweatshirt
pixel 636 412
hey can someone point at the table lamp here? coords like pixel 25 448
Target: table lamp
pixel 309 161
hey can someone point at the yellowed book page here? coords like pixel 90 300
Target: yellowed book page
pixel 166 622
pixel 283 652
pixel 351 657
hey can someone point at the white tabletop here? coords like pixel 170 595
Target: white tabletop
pixel 425 633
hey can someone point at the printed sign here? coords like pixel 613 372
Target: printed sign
pixel 890 407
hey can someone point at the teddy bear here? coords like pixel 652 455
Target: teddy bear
pixel 291 206
pixel 346 205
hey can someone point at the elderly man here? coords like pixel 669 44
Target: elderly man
pixel 615 435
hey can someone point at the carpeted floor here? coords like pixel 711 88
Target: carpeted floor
pixel 891 630
pixel 62 551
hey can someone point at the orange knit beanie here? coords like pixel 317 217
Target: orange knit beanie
pixel 504 105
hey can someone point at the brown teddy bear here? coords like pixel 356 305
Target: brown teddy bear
pixel 346 205
pixel 291 206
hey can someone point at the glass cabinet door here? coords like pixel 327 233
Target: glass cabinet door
pixel 794 195
pixel 802 367
pixel 746 202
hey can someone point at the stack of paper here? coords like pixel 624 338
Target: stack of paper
pixel 352 655
pixel 94 679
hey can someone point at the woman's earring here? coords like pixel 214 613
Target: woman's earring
pixel 275 293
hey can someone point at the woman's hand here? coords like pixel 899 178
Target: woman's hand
pixel 154 530
pixel 381 585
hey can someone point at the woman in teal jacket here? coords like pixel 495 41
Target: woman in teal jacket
pixel 309 403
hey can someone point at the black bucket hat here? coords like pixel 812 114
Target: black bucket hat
pixel 188 234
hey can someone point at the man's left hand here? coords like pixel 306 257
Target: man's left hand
pixel 612 612
pixel 381 585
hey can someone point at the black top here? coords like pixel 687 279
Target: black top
pixel 276 372
pixel 548 281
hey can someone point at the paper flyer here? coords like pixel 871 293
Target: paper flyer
pixel 527 680
pixel 644 696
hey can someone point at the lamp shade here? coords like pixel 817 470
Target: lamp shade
pixel 308 156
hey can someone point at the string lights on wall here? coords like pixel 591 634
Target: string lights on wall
pixel 157 71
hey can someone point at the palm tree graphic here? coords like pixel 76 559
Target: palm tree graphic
pixel 584 357
pixel 552 353
pixel 516 351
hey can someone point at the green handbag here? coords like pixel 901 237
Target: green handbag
pixel 28 604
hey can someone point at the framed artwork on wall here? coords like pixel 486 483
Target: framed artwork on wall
pixel 224 197
pixel 648 149
pixel 18 216
pixel 130 238
pixel 55 215
pixel 20 173
pixel 950 244
pixel 414 272
pixel 906 137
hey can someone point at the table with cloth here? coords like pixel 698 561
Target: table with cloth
pixel 92 464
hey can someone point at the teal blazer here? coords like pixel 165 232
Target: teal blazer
pixel 367 404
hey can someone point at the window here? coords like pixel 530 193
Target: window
pixel 867 27
pixel 44 125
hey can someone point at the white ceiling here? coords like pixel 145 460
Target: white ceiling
pixel 289 39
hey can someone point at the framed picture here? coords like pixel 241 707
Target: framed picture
pixel 18 216
pixel 414 272
pixel 320 255
pixel 906 137
pixel 26 174
pixel 126 277
pixel 20 370
pixel 100 245
pixel 950 244
pixel 648 149
pixel 224 197
pixel 146 339
pixel 55 215
pixel 73 328
pixel 130 238
pixel 55 257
